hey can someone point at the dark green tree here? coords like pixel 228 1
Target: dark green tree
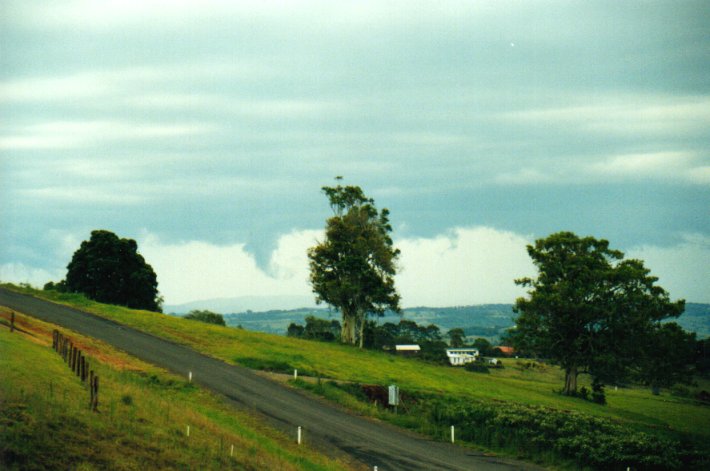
pixel 208 317
pixel 353 268
pixel 668 357
pixel 457 337
pixel 483 345
pixel 588 310
pixel 295 330
pixel 110 270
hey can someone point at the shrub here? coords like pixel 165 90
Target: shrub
pixel 477 367
pixel 533 430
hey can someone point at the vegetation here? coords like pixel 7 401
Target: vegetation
pixel 680 417
pixel 379 337
pixel 206 316
pixel 142 420
pixel 353 268
pixel 588 310
pixel 110 270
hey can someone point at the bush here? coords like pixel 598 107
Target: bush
pixel 533 430
pixel 477 367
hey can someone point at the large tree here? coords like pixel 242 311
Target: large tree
pixel 588 310
pixel 110 270
pixel 353 268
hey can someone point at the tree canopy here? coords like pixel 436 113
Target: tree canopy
pixel 110 270
pixel 353 268
pixel 588 310
pixel 206 316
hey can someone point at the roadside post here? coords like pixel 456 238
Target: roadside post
pixel 393 396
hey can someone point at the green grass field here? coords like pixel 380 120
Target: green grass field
pixel 142 420
pixel 634 408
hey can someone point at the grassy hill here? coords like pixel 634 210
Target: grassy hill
pixel 521 384
pixel 142 420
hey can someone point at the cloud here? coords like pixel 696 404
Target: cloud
pixel 73 134
pixel 682 269
pixel 198 270
pixel 21 273
pixel 463 266
pixel 678 165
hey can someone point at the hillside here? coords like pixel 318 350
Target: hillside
pixel 489 320
pixel 142 417
pixel 674 423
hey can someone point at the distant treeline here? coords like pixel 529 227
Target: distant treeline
pixel 386 336
pixel 489 321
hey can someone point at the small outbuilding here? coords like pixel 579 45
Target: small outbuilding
pixel 461 356
pixel 407 350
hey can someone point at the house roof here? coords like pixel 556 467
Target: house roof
pixel 505 349
pixel 407 347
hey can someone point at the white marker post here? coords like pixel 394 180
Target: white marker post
pixel 231 451
pixel 452 434
pixel 295 374
pixel 299 436
pixel 189 377
pixel 188 431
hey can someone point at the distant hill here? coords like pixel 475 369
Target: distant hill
pixel 244 304
pixel 487 320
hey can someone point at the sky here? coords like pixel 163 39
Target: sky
pixel 205 131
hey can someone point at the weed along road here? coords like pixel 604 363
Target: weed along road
pixel 323 426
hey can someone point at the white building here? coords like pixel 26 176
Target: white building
pixel 461 356
pixel 407 349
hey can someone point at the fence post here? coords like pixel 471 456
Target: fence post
pixel 96 393
pixel 12 321
pixel 78 364
pixel 91 389
pixel 452 434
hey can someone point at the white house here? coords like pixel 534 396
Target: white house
pixel 461 356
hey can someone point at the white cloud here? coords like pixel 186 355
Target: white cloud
pixel 682 269
pixel 465 266
pixel 683 166
pixel 625 115
pixel 196 270
pixel 21 273
pixel 73 134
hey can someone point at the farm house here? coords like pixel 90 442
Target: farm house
pixel 461 356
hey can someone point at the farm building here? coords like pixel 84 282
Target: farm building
pixel 407 349
pixel 461 356
pixel 508 351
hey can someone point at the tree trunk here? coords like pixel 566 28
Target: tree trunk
pixel 347 331
pixel 570 381
pixel 361 325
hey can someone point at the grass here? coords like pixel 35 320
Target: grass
pixel 45 421
pixel 516 383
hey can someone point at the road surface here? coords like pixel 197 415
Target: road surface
pixel 324 426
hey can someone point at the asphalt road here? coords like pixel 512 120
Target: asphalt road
pixel 324 426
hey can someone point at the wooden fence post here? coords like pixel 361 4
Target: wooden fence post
pixel 12 321
pixel 96 393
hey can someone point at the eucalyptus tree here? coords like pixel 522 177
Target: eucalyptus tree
pixel 353 268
